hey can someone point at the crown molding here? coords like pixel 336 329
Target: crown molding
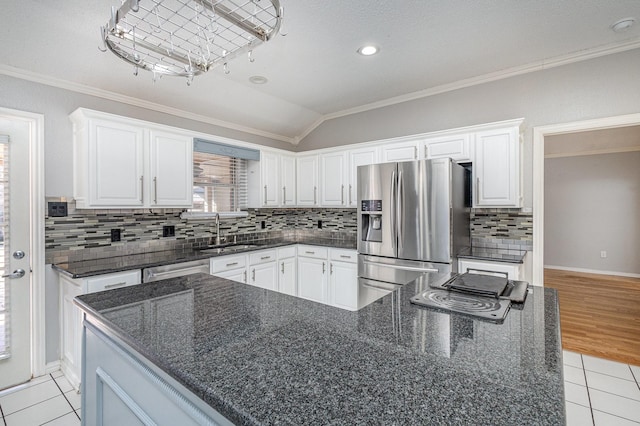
pixel 129 100
pixel 593 152
pixel 486 78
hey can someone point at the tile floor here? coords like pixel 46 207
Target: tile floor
pixel 48 400
pixel 598 392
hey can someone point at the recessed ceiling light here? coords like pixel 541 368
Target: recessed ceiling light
pixel 258 79
pixel 368 50
pixel 623 24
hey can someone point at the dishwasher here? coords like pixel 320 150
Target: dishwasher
pixel 175 270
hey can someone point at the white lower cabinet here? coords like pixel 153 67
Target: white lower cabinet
pixel 239 275
pixel 232 267
pixel 263 267
pixel 287 278
pixel 343 279
pixel 71 337
pixel 312 284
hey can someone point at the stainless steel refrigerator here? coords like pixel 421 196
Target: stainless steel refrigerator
pixel 413 217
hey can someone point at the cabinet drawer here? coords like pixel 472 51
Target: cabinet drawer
pixel 110 281
pixel 343 255
pixel 315 252
pixel 285 252
pixel 513 270
pixel 262 256
pixel 226 263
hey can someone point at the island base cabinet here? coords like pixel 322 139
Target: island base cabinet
pixel 121 389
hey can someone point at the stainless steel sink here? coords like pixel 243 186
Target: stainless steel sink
pixel 228 248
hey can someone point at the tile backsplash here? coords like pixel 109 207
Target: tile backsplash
pixel 86 234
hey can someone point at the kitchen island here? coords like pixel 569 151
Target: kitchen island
pixel 224 351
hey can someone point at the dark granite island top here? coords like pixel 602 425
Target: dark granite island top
pixel 260 357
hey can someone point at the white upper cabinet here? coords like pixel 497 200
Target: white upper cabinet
pixel 307 180
pixel 288 179
pixel 270 173
pixel 457 147
pixel 358 157
pixel 171 169
pixel 400 151
pixel 124 163
pixel 496 168
pixel 333 170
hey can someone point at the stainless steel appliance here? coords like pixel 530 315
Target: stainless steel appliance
pixel 412 219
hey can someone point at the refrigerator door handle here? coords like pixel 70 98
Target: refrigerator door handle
pixel 399 209
pixel 394 195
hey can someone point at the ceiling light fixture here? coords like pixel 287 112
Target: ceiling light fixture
pixel 188 37
pixel 623 25
pixel 258 79
pixel 368 50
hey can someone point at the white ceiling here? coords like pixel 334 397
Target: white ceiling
pixel 314 71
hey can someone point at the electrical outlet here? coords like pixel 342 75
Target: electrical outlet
pixel 603 254
pixel 319 224
pixel 168 231
pixel 57 209
pixel 115 235
pixel 263 224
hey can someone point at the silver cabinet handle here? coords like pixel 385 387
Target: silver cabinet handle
pixel 324 268
pixel 282 267
pixel 315 195
pixel 265 195
pixel 142 189
pixel 344 256
pixel 426 151
pixel 331 269
pixel 155 190
pixel 245 276
pixel 350 200
pixel 253 275
pixel 415 152
pixel 310 252
pixel 18 273
pixel 114 285
pixel 342 194
pixel 232 264
pixel 265 257
pixel 284 195
pixel 477 190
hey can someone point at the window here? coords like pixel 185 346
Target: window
pixel 220 176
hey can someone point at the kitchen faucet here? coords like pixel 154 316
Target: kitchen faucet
pixel 218 239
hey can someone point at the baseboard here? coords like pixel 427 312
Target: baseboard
pixel 593 271
pixel 52 367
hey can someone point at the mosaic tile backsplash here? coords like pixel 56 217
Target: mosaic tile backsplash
pixel 86 234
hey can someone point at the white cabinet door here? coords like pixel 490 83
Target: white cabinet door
pixel 265 275
pixel 171 170
pixel 307 180
pixel 333 169
pixel 456 147
pixel 238 275
pixel 312 284
pixel 343 285
pixel 358 157
pixel 400 151
pixel 513 270
pixel 496 168
pixel 288 179
pixel 115 161
pixel 287 277
pixel 270 171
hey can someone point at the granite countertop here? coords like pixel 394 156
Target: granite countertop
pixel 260 357
pixel 493 254
pixel 87 268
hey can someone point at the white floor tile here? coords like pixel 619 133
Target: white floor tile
pixel 74 399
pixel 64 384
pixel 604 419
pixel 79 413
pixel 572 358
pixel 40 413
pixel 614 385
pixel 32 382
pixel 67 420
pixel 578 415
pixel 28 396
pixel 636 372
pixel 605 366
pixel 56 374
pixel 617 405
pixel 574 375
pixel 576 394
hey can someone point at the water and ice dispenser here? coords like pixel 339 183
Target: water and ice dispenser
pixel 371 211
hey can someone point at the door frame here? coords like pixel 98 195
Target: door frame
pixel 539 134
pixel 36 228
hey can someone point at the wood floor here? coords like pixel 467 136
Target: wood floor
pixel 599 314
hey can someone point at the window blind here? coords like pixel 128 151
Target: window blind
pixel 5 322
pixel 219 182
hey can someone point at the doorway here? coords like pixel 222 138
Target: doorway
pixel 22 306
